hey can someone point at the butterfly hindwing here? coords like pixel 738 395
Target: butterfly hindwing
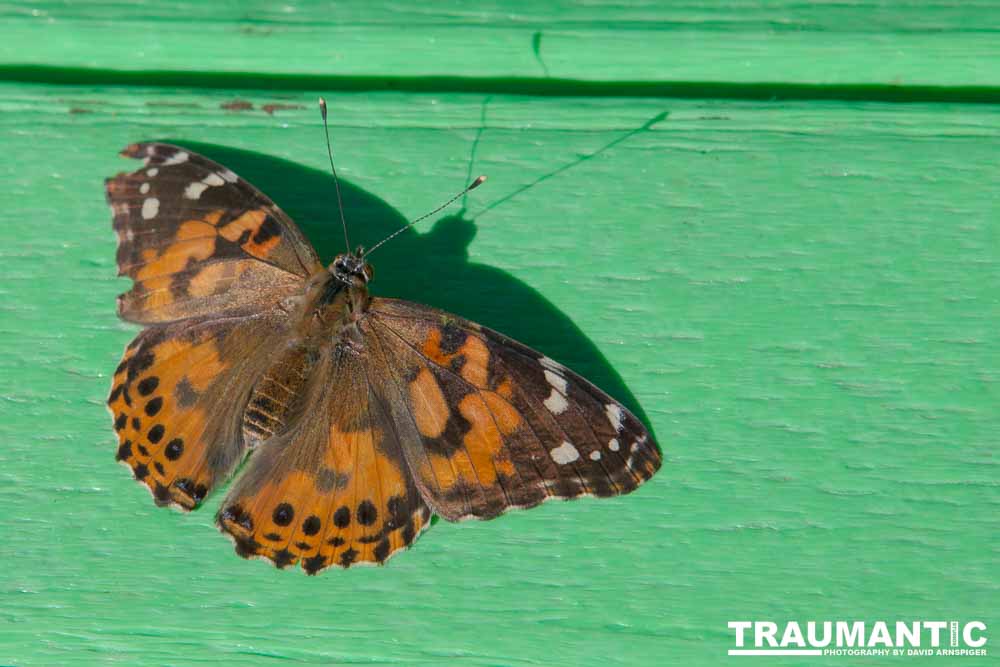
pixel 332 489
pixel 489 424
pixel 177 402
pixel 197 240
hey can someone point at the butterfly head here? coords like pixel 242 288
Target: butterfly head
pixel 349 267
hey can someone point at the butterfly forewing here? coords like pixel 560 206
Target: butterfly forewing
pixel 491 424
pixel 199 241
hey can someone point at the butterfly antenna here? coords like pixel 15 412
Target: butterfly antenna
pixel 336 181
pixel 472 186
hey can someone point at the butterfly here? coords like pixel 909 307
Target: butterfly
pixel 364 415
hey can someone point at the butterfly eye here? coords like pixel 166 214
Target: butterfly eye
pixel 369 272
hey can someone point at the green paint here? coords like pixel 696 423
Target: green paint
pixel 944 43
pixel 800 297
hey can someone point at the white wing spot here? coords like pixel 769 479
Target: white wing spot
pixel 614 445
pixel 152 172
pixel 149 149
pixel 614 416
pixel 229 176
pixel 564 453
pixel 176 158
pixel 194 190
pixel 144 188
pixel 550 364
pixel 556 402
pixel 556 380
pixel 150 207
pixel 595 455
pixel 634 448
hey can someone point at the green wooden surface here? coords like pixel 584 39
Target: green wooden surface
pixel 800 297
pixel 950 42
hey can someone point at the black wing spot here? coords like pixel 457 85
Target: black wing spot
pixel 367 514
pixel 382 550
pixel 409 532
pixel 314 564
pixel 140 362
pixel 161 494
pixel 174 449
pixel 124 451
pixel 452 338
pixel 282 558
pixel 268 229
pixel 283 514
pixel 237 515
pixel 311 525
pixel 348 557
pixel 148 385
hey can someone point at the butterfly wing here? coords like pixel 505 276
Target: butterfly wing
pixel 177 401
pixel 332 488
pixel 487 424
pixel 197 240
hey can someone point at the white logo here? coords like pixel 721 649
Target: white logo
pixel 859 638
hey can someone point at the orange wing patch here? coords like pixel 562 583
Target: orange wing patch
pixel 489 414
pixel 181 217
pixel 356 507
pixel 473 353
pixel 430 409
pixel 195 265
pixel 175 400
pixel 330 492
pixel 159 438
pixel 254 231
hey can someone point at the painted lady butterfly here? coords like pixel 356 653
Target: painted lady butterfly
pixel 367 414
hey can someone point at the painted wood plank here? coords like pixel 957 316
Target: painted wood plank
pixel 948 43
pixel 800 298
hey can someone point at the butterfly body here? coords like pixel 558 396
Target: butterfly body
pixel 334 298
pixel 365 414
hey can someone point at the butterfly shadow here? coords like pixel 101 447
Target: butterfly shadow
pixel 431 267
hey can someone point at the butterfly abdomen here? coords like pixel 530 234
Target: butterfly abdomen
pixel 276 395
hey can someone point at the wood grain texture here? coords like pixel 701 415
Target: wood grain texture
pixel 800 297
pixel 950 43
